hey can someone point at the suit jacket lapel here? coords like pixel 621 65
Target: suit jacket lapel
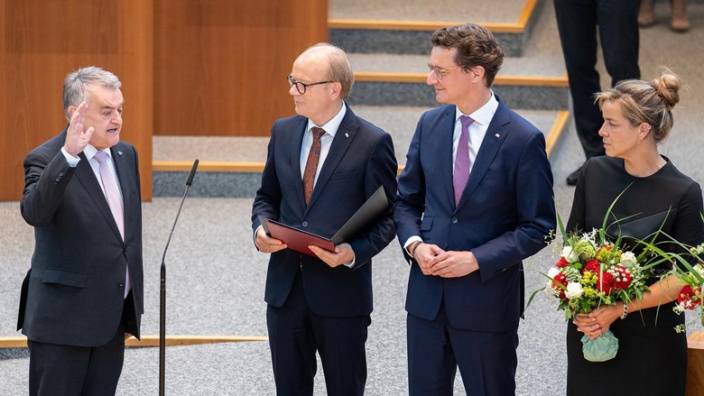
pixel 495 136
pixel 447 129
pixel 86 176
pixel 295 157
pixel 342 141
pixel 125 178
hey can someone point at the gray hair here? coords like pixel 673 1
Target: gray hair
pixel 339 68
pixel 76 83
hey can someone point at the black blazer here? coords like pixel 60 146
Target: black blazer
pixel 74 292
pixel 361 159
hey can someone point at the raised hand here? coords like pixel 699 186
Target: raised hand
pixel 76 138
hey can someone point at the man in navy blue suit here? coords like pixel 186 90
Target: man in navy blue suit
pixel 474 200
pixel 321 166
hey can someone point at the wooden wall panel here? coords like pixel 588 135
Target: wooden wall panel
pixel 41 42
pixel 221 65
pixel 695 364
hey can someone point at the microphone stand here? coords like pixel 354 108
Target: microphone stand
pixel 162 294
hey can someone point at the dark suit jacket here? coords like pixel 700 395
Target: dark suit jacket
pixel 505 212
pixel 361 158
pixel 74 293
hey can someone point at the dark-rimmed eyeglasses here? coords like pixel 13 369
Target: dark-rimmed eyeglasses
pixel 440 73
pixel 301 87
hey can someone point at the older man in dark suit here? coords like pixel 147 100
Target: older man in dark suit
pixel 83 295
pixel 474 200
pixel 322 165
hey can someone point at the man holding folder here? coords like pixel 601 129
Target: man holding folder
pixel 322 166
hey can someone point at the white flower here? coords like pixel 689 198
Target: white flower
pixel 628 259
pixel 550 289
pixel 570 255
pixel 553 272
pixel 574 290
pixel 678 308
pixel 699 269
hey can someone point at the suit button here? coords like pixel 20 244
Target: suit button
pixel 454 220
pixel 305 224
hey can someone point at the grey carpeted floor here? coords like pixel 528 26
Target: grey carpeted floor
pixel 507 11
pixel 215 277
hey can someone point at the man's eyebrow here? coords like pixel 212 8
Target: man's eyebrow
pixel 109 106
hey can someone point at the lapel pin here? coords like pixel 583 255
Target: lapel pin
pixel 120 152
pixel 347 134
pixel 497 135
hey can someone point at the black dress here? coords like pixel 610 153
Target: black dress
pixel 652 356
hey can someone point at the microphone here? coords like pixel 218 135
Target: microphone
pixel 189 182
pixel 193 173
pixel 162 294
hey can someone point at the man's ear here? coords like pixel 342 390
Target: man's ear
pixel 336 88
pixel 71 110
pixel 477 73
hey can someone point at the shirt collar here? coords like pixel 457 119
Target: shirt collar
pixel 333 125
pixel 482 115
pixel 91 151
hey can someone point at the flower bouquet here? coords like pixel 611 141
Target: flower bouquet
pixel 690 296
pixel 593 271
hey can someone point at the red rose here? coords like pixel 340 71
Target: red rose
pixel 562 263
pixel 593 266
pixel 560 279
pixel 605 282
pixel 688 297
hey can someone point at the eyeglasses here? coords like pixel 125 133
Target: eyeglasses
pixel 440 73
pixel 301 87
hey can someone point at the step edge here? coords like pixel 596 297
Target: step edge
pixel 384 24
pixel 558 127
pixel 549 81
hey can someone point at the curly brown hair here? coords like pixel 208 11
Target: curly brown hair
pixel 476 46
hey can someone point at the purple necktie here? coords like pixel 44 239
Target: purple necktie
pixel 112 194
pixel 462 164
pixel 312 163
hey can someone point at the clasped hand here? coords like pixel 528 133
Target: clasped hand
pixel 432 260
pixel 595 323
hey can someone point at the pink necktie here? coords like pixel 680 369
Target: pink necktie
pixel 461 173
pixel 312 163
pixel 112 194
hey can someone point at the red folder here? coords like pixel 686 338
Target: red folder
pixel 296 239
pixel 299 240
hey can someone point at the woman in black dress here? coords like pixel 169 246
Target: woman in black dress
pixel 652 356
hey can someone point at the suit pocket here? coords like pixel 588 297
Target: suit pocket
pixel 344 175
pixel 66 278
pixel 23 300
pixel 426 224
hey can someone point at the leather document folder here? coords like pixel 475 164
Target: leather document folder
pixel 299 240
